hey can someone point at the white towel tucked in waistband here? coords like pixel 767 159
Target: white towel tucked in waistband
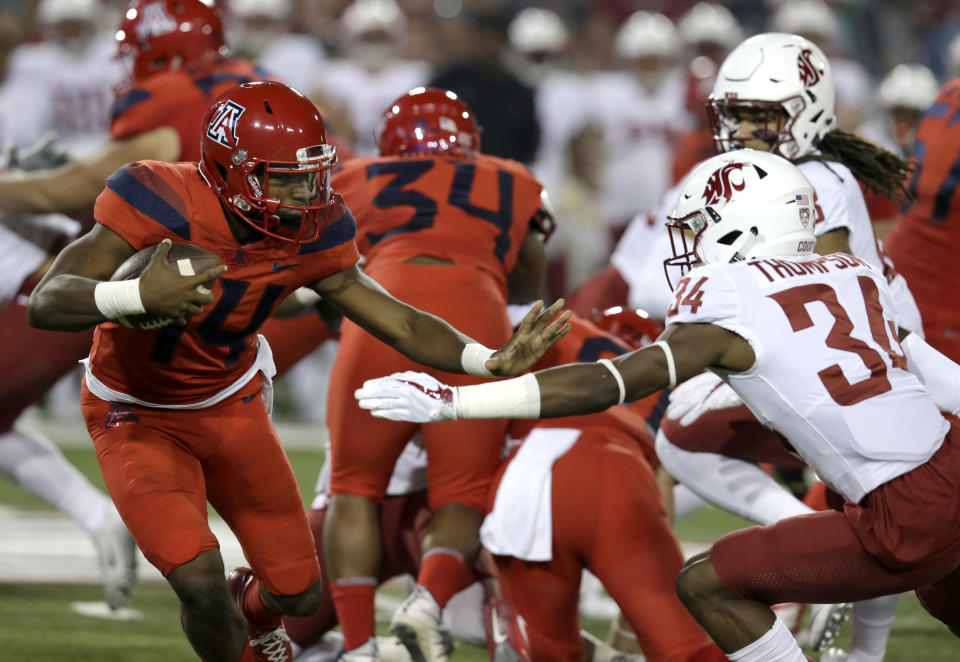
pixel 521 522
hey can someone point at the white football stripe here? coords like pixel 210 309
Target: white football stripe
pixel 186 267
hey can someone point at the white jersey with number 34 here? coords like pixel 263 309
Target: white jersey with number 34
pixel 829 374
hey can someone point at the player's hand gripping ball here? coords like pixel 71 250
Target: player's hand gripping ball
pixel 186 259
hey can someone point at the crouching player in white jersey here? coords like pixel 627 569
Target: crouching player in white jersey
pixel 811 344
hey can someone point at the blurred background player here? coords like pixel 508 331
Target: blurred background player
pixel 371 72
pixel 458 232
pixel 474 69
pixel 539 55
pixel 924 237
pixel 32 360
pixel 262 31
pixel 641 111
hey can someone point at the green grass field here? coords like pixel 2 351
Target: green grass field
pixel 38 625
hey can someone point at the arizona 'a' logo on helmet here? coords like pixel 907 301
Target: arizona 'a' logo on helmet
pixel 809 74
pixel 719 185
pixel 155 21
pixel 223 128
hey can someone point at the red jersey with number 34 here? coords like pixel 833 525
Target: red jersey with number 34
pixel 149 201
pixel 829 374
pixel 472 211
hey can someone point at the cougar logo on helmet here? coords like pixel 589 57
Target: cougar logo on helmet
pixel 155 21
pixel 809 75
pixel 223 128
pixel 719 184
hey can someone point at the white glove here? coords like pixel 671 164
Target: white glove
pixel 695 397
pixel 408 396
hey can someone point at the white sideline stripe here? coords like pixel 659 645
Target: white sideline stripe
pixel 47 547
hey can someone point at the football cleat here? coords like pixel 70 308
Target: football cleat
pixel 271 645
pixel 417 625
pixel 834 655
pixel 368 652
pixel 825 622
pixel 506 633
pixel 117 557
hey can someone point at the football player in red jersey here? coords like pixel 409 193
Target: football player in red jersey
pixel 926 237
pixel 457 233
pixel 194 393
pixel 579 492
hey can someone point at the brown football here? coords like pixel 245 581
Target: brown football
pixel 189 259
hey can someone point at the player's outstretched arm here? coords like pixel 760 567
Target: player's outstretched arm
pixel 939 374
pixel 578 388
pixel 75 293
pixel 74 187
pixel 429 340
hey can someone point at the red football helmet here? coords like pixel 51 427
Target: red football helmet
pixel 263 149
pixel 427 119
pixel 634 327
pixel 167 34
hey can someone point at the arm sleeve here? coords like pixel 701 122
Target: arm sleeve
pixel 939 374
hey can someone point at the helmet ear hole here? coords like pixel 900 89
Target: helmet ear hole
pixel 221 170
pixel 729 238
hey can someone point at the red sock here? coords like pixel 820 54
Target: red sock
pixel 247 654
pixel 443 572
pixel 258 614
pixel 353 600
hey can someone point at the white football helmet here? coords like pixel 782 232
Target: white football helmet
pixel 786 76
pixel 811 18
pixel 710 23
pixel 910 86
pixel 57 11
pixel 737 206
pixel 647 34
pixel 536 30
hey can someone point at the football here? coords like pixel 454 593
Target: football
pixel 189 260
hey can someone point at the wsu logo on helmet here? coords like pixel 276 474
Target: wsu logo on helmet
pixel 155 21
pixel 223 128
pixel 719 185
pixel 809 74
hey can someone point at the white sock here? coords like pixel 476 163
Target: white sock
pixel 685 502
pixel 734 485
pixel 777 645
pixel 34 463
pixel 871 628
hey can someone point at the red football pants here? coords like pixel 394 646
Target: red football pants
pixel 609 518
pixel 161 467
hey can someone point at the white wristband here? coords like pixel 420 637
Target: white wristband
pixel 473 359
pixel 304 296
pixel 511 398
pixel 608 364
pixel 116 299
pixel 671 366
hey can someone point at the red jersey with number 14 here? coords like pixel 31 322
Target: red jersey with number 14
pixel 829 373
pixel 149 201
pixel 473 211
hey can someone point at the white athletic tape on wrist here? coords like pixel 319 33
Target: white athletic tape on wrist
pixel 473 359
pixel 510 398
pixel 116 299
pixel 608 364
pixel 304 296
pixel 671 366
